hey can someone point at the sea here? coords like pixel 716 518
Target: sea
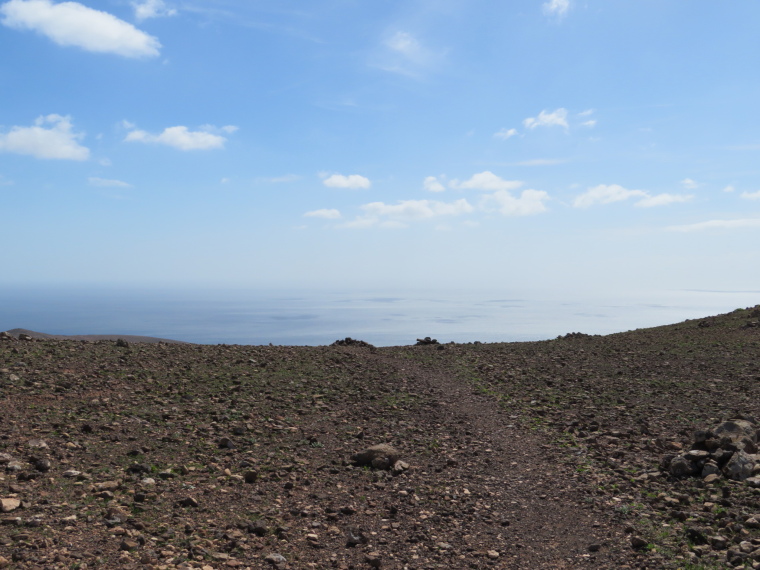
pixel 384 318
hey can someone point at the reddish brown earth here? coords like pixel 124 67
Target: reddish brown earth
pixel 520 455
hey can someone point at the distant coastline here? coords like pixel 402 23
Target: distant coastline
pixel 93 337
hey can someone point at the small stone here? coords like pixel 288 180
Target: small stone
pixel 42 465
pixel 681 467
pixel 381 456
pixel 399 467
pixel 226 443
pixel 9 505
pixel 71 474
pixel 594 547
pixel 128 545
pixel 355 537
pixel 718 542
pixel 188 502
pixel 753 482
pixel 107 486
pixel 37 444
pixel 374 559
pixel 712 478
pixel 739 466
pixel 638 542
pixel 275 559
pixel 250 476
pixel 493 554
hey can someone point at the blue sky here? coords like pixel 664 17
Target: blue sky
pixel 559 145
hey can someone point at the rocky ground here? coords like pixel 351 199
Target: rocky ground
pixel 580 452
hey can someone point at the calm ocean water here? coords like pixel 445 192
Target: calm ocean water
pixel 319 318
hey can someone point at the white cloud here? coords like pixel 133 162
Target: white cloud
pixel 182 138
pixel 106 183
pixel 606 194
pixel 431 184
pixel 505 134
pixel 56 142
pixel 530 202
pixel 226 130
pixel 556 118
pixel 729 189
pixel 689 184
pixel 590 124
pixel 152 9
pixel 353 181
pixel 73 24
pixel 404 53
pixel 586 113
pixel 417 209
pixel 4 181
pixel 325 213
pixel 557 8
pixel 663 200
pixel 382 215
pixel 407 45
pixel 718 225
pixel 751 195
pixel 486 181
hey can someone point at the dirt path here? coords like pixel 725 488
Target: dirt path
pixel 543 517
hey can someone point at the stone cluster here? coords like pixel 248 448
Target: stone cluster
pixel 730 450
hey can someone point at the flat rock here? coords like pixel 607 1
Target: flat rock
pixel 9 505
pixel 381 456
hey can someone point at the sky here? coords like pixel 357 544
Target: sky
pixel 599 146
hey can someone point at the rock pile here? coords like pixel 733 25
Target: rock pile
pixel 426 341
pixel 381 456
pixel 348 341
pixel 730 450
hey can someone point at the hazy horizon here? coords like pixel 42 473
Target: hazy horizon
pixel 301 317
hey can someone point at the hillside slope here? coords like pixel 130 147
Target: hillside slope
pixel 555 454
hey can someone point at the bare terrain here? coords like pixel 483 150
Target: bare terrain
pixel 579 452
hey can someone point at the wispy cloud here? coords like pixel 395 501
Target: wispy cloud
pixel 380 214
pixel 718 225
pixel 73 24
pixel 663 200
pixel 486 180
pixel 152 9
pixel 432 184
pixel 59 141
pixel 557 118
pixel 611 193
pixel 529 202
pixel 404 53
pixel 589 122
pixel 182 138
pixel 556 8
pixel 750 195
pixel 689 184
pixel 606 194
pixel 351 181
pixel 4 181
pixel 107 183
pixel 505 134
pixel 324 213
